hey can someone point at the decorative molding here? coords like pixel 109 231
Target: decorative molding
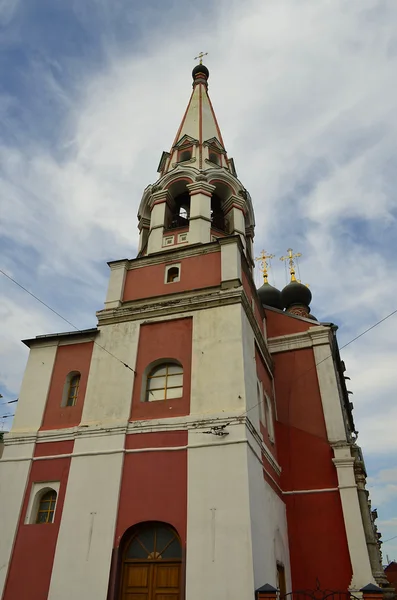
pixel 200 187
pixel 158 258
pixel 315 336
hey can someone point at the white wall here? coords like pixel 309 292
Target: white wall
pixel 250 372
pixel 217 361
pixel 84 547
pixel 269 528
pixel 13 480
pixel 34 389
pixel 219 557
pixel 109 388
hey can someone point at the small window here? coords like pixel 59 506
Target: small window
pixel 269 418
pixel 45 512
pixel 214 157
pixel 164 382
pixel 172 274
pixel 184 154
pixel 73 390
pixel 168 241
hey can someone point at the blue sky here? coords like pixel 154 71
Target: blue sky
pixel 92 92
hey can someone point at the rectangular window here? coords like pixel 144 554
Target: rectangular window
pixel 182 237
pixel 168 241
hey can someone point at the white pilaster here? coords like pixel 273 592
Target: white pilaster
pixel 157 220
pixel 235 213
pixel 328 384
pixel 13 480
pixel 109 388
pixel 230 261
pixel 200 212
pixel 84 547
pixel 219 564
pixel 35 385
pixel 344 463
pixel 116 284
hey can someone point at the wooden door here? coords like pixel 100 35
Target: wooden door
pixel 152 564
pixel 151 581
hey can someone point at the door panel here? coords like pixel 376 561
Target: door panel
pixel 136 584
pixel 151 581
pixel 167 576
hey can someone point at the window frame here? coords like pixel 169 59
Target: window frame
pixel 269 417
pixel 38 490
pixel 186 148
pixel 67 388
pixel 48 498
pixel 156 366
pixel 168 268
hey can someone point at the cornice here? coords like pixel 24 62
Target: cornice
pixel 173 254
pixel 183 302
pixel 315 336
pixel 166 305
pixel 196 423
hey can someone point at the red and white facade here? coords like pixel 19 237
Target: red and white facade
pixel 254 464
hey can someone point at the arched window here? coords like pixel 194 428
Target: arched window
pixel 165 381
pixel 152 563
pixel 269 418
pixel 71 389
pixel 181 213
pixel 46 508
pixel 217 216
pixel 185 154
pixel 173 274
pixel 214 157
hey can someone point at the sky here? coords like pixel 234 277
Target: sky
pixel 92 92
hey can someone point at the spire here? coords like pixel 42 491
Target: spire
pixel 198 140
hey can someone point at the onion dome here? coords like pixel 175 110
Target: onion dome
pixel 296 293
pixel 270 296
pixel 200 70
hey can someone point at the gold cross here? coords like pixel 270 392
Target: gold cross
pixel 263 257
pixel 200 57
pixel 290 257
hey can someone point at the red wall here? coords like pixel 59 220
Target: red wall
pixel 284 324
pixel 196 272
pixel 74 357
pixel 33 555
pixel 154 484
pixel 315 521
pixel 163 340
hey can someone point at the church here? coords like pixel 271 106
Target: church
pixel 198 443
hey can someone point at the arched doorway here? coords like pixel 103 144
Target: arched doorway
pixel 152 561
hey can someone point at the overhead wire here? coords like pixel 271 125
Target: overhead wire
pixel 133 370
pixel 330 355
pixel 64 319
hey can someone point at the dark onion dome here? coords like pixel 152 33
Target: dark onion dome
pixel 200 69
pixel 270 296
pixel 295 293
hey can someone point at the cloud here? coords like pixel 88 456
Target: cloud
pixel 305 97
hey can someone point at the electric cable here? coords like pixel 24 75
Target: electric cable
pixel 64 319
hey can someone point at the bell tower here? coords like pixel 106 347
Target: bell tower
pixel 198 197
